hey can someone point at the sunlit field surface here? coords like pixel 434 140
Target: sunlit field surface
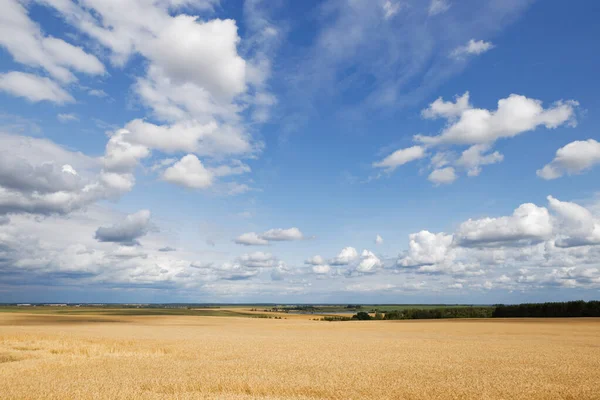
pixel 191 357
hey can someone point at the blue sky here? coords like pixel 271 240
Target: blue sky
pixel 330 151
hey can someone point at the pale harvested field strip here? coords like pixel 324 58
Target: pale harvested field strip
pixel 240 358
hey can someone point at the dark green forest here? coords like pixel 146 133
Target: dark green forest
pixel 529 310
pixel 548 310
pixel 438 313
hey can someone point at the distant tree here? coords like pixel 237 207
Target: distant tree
pixel 362 316
pixel 334 318
pixel 378 315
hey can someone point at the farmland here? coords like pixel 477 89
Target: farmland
pixel 112 354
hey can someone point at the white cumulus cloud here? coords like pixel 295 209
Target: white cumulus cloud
pixel 258 259
pixel 271 235
pixel 473 46
pixel 189 172
pixel 573 158
pixel 426 248
pixel 528 224
pixel 251 239
pixel 28 45
pixel 400 157
pixel 369 263
pixel 474 157
pixel 283 234
pixel 515 115
pixel 479 128
pixel 345 257
pixel 442 176
pixel 127 231
pixel 577 225
pixel 34 88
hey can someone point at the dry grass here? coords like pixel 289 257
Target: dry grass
pixel 239 358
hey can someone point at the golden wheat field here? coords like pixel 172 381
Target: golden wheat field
pixel 184 357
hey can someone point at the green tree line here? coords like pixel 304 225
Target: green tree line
pixel 529 310
pixel 548 310
pixel 439 313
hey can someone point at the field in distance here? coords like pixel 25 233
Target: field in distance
pixel 219 310
pixel 79 356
